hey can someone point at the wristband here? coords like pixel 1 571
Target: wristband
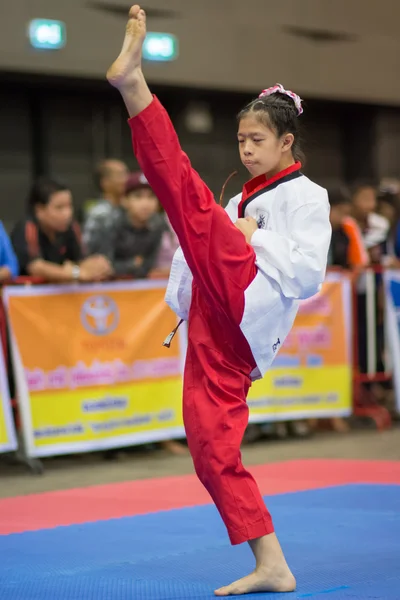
pixel 76 271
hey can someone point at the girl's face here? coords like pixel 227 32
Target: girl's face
pixel 261 151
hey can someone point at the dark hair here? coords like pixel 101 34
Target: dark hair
pixel 389 197
pixel 357 186
pixel 339 195
pixel 42 190
pixel 102 170
pixel 279 113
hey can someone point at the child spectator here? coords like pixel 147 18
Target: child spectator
pixel 138 234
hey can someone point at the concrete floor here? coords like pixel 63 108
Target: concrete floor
pixel 92 469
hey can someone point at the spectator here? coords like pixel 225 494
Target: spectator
pixel 374 227
pixel 48 242
pixel 9 267
pixel 347 247
pixel 110 177
pixel 346 250
pixel 138 244
pixel 138 234
pixel 102 218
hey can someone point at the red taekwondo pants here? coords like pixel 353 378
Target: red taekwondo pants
pixel 219 360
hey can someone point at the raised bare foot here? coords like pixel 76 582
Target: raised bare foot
pixel 261 580
pixel 123 72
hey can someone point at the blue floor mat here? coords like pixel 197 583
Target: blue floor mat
pixel 341 542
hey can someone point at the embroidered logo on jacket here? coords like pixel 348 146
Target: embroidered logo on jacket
pixel 276 345
pixel 262 222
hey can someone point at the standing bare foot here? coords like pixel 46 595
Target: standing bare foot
pixel 272 573
pixel 261 580
pixel 123 72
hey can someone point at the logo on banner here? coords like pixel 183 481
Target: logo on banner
pixel 100 315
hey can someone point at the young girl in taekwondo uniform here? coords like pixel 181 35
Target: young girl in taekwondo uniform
pixel 237 278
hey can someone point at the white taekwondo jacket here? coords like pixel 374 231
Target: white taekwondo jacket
pixel 291 247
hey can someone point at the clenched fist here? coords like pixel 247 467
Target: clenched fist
pixel 247 226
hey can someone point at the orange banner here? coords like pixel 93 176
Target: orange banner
pixel 90 367
pixel 69 341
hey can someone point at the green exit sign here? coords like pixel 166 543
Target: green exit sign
pixel 160 47
pixel 45 34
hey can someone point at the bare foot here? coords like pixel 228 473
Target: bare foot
pixel 123 72
pixel 261 580
pixel 272 573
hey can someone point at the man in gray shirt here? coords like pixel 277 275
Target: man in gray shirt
pixel 103 217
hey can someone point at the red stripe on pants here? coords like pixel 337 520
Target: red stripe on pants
pixel 219 360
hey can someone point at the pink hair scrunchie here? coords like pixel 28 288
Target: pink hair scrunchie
pixel 278 88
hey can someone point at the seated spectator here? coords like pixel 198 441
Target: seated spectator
pixel 375 230
pixel 48 242
pixel 9 267
pixel 347 247
pixel 137 246
pixel 346 250
pixel 138 234
pixel 102 216
pixel 374 227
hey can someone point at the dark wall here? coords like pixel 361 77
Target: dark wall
pixel 63 127
pixel 346 50
pixel 387 154
pixel 15 152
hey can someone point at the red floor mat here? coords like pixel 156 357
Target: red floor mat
pixel 82 505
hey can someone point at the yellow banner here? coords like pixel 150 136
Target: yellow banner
pixel 90 366
pixel 8 438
